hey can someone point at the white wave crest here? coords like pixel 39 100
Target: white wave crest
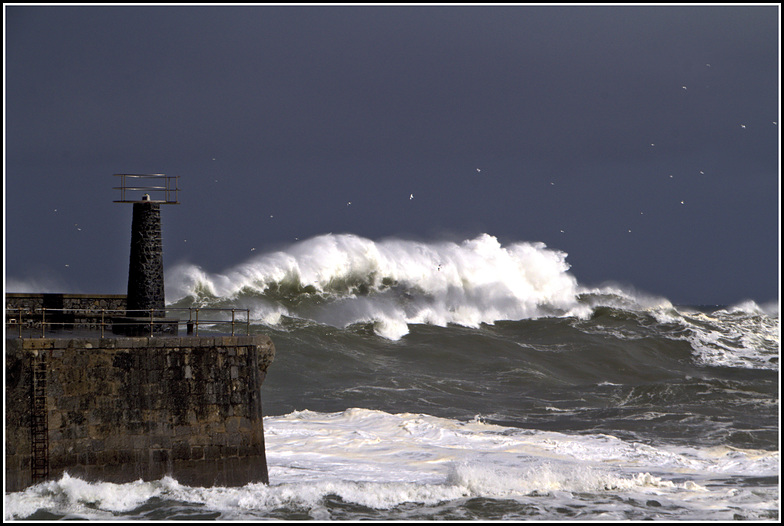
pixel 745 335
pixel 393 283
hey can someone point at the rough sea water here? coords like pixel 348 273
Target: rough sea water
pixel 418 381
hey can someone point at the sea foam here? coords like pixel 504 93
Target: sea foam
pixel 392 283
pixel 380 461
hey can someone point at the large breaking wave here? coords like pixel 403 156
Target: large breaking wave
pixel 346 279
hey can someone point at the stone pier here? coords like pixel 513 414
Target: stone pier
pixel 124 409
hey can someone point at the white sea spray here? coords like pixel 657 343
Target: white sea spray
pixel 393 283
pixel 380 461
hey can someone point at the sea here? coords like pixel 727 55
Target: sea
pixel 474 380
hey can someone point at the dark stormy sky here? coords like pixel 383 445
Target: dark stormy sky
pixel 642 141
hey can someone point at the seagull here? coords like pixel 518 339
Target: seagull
pixel 478 170
pixel 684 87
pixel 411 197
pixel 743 126
pixel 348 204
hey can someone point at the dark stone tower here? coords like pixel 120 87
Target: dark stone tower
pixel 145 273
pixel 146 299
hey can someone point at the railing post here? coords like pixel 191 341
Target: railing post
pixel 151 313
pixel 102 321
pixel 43 321
pixel 197 321
pixel 232 322
pixel 247 322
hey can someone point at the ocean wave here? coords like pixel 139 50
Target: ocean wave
pixel 349 282
pixel 744 335
pixel 380 461
pixel 342 280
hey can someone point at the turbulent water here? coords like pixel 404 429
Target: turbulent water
pixel 476 381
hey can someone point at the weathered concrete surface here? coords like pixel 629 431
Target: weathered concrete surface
pixel 123 409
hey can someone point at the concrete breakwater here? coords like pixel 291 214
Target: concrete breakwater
pixel 124 409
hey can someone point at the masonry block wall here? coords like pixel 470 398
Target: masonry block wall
pixel 88 302
pixel 123 409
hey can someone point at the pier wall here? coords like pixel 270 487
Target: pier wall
pixel 91 302
pixel 124 409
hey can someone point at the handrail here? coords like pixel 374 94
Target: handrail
pixel 170 182
pixel 101 319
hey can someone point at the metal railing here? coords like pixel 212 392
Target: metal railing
pixel 40 321
pixel 168 185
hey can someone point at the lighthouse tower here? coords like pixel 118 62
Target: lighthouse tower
pixel 146 297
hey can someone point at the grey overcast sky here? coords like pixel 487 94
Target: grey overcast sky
pixel 642 141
